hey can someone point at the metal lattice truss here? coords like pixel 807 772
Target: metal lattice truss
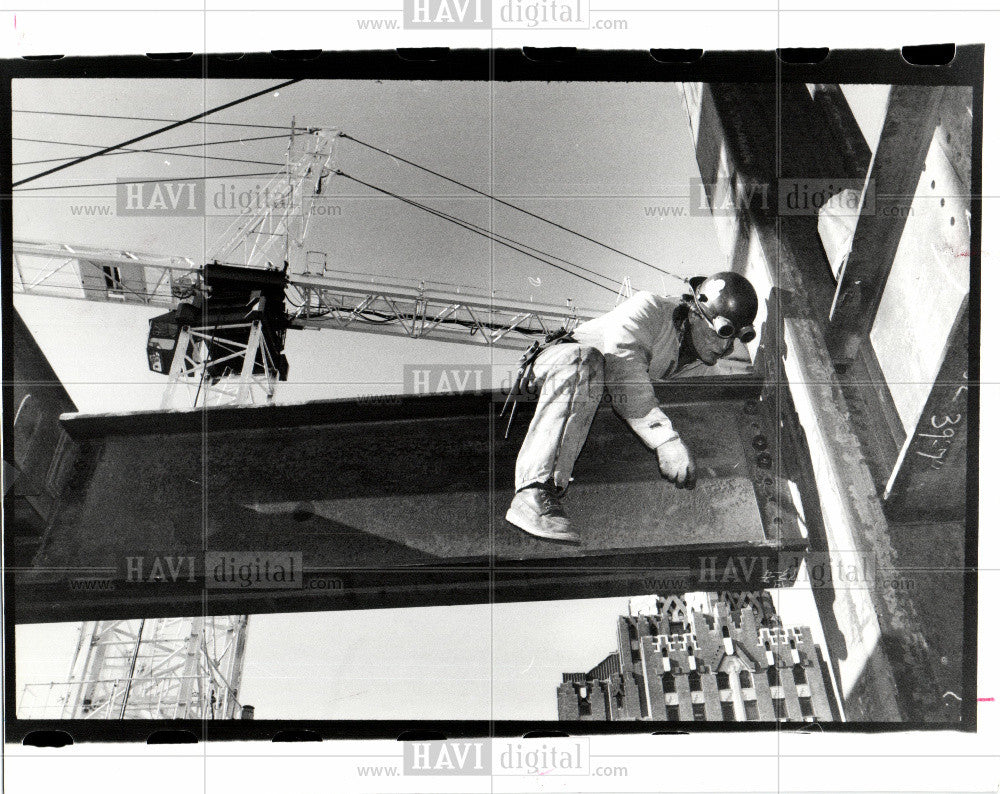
pixel 191 384
pixel 319 297
pixel 163 668
pixel 98 274
pixel 272 230
pixel 425 311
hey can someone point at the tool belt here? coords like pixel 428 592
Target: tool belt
pixel 524 380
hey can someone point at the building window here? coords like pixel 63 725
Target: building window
pixel 772 676
pixel 728 710
pixel 750 706
pixel 112 278
pixel 799 674
pixel 669 685
pixel 673 713
pixel 746 680
pixel 584 708
pixel 619 700
pixel 699 712
pixel 722 679
pixel 694 681
pixel 779 709
pixel 807 707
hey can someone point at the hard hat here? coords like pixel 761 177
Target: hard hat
pixel 728 302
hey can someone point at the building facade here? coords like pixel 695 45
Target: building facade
pixel 702 657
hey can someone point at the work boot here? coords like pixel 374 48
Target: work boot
pixel 536 510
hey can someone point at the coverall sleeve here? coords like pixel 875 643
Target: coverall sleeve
pixel 628 348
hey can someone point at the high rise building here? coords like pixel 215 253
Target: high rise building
pixel 702 657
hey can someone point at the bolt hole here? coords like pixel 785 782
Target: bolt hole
pixel 932 184
pixel 953 221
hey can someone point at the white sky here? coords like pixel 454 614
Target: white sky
pixel 558 149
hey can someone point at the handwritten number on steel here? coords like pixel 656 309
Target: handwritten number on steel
pixel 962 388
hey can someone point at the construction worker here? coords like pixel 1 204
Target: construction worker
pixel 644 338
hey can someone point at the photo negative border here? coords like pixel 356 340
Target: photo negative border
pixel 547 64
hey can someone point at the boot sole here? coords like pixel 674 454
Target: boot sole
pixel 523 523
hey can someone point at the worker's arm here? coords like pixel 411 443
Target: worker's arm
pixel 628 344
pixel 628 349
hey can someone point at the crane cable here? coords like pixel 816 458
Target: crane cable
pixel 202 156
pixel 158 150
pixel 149 181
pixel 521 247
pixel 149 118
pixel 160 130
pixel 511 206
pixel 478 230
pixel 484 231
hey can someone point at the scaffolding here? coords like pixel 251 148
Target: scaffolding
pixel 162 668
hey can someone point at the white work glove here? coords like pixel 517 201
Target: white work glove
pixel 676 463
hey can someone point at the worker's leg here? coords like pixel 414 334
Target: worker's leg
pixel 569 381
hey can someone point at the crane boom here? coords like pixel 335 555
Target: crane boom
pixel 322 298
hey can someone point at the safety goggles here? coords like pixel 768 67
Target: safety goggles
pixel 723 327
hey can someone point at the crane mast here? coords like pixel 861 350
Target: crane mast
pixel 161 668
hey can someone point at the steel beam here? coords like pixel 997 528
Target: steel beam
pixel 402 503
pixel 877 635
pixel 911 119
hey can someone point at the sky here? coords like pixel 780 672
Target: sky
pixel 499 661
pixel 589 156
pixel 559 149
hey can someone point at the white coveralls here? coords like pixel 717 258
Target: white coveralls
pixel 622 351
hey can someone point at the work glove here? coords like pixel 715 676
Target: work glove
pixel 676 463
